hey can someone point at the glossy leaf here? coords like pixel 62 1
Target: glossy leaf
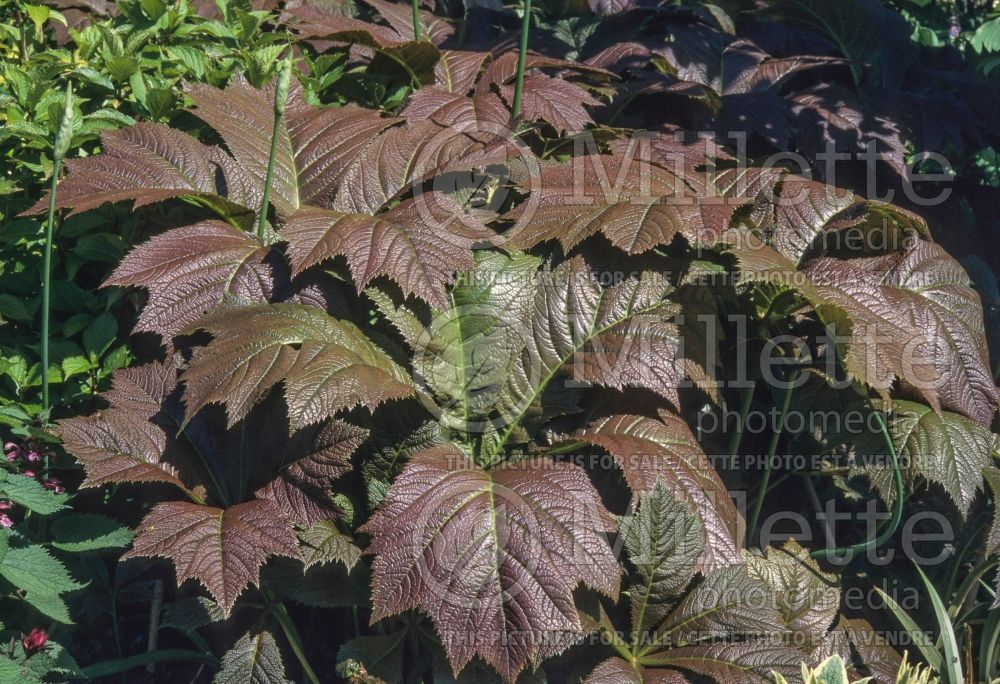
pixel 223 549
pixel 419 243
pixel 635 204
pixel 316 145
pixel 301 489
pixel 663 542
pixel 650 451
pixel 326 364
pixel 254 659
pixel 146 163
pixel 190 271
pixel 492 553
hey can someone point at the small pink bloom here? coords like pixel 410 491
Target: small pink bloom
pixel 5 521
pixel 54 484
pixel 33 641
pixel 28 473
pixel 33 457
pixel 9 445
pixel 6 505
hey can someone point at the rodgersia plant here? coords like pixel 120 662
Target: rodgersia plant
pixel 461 361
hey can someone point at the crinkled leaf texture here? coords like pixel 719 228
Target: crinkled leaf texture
pixel 943 447
pixel 136 439
pixel 419 243
pixel 911 315
pixel 121 444
pixel 492 556
pixel 739 623
pixel 191 270
pixel 326 364
pixel 334 169
pixel 921 302
pixel 651 451
pixel 300 488
pixel 254 659
pixel 635 203
pixel 325 543
pixel 663 541
pixel 223 549
pixel 316 145
pixel 517 342
pixel 146 163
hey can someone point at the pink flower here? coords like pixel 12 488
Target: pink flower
pixel 6 505
pixel 33 641
pixel 54 484
pixel 28 473
pixel 5 521
pixel 33 457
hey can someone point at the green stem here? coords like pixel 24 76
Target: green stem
pixel 897 505
pixel 734 441
pixel 416 19
pixel 47 281
pixel 262 216
pixel 522 58
pixel 292 634
pixel 771 449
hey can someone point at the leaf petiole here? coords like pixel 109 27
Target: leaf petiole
pixel 771 449
pixel 416 19
pixel 522 58
pixel 295 641
pixel 897 505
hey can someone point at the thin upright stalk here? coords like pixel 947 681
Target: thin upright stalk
pixel 416 19
pixel 59 149
pixel 294 640
pixel 522 58
pixel 771 449
pixel 46 280
pixel 737 436
pixel 897 505
pixel 280 98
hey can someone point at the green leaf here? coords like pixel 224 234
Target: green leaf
pixel 15 308
pixel 255 659
pixel 100 247
pixel 325 543
pixel 39 14
pixel 322 586
pixel 951 665
pixel 89 532
pixel 33 569
pixel 193 59
pixel 100 334
pixel 50 605
pixel 113 667
pixel 122 68
pixel 28 492
pixel 930 654
pixel 12 671
pixel 93 76
pixel 191 613
pixel 381 655
pixel 946 448
pixel 663 541
pixel 76 365
pixel 987 36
